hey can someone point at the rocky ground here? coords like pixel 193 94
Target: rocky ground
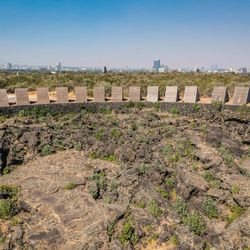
pixel 132 179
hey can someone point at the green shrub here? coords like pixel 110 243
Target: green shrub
pixel 209 208
pixel 78 146
pixel 174 111
pixel 8 191
pixel 217 105
pixel 195 223
pixel 94 190
pixel 93 155
pixel 115 133
pixel 174 240
pixel 143 169
pixel 169 181
pixel 226 155
pixel 154 209
pixel 111 229
pixel 141 204
pixel 168 149
pixel 2 240
pixel 235 189
pixel 128 105
pixel 100 183
pixel 8 201
pixel 114 185
pixel 139 105
pixel 210 178
pixel 7 170
pixel 157 106
pixel 99 134
pixel 236 212
pixel 164 194
pixel 181 207
pixel 196 107
pixel 128 234
pixel 47 150
pixel 111 158
pixel 100 179
pixel 2 119
pixel 106 111
pixel 8 208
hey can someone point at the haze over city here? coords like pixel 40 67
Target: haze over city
pixel 126 33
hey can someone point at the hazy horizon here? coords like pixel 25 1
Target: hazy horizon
pixel 129 33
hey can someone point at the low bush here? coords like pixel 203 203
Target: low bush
pixel 195 223
pixel 8 201
pixel 209 208
pixel 47 150
pixel 154 209
pixel 181 207
pixel 128 234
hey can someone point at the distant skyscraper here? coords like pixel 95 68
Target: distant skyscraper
pixel 105 69
pixel 59 67
pixel 9 66
pixel 157 65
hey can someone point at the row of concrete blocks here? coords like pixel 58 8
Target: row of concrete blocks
pixel 191 95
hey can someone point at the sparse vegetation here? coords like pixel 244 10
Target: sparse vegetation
pixel 163 193
pixel 210 178
pixel 8 201
pixel 115 133
pixel 195 223
pixel 128 233
pixel 78 146
pixel 47 150
pixel 111 229
pixel 100 183
pixel 2 240
pixel 181 207
pixel 99 134
pixel 169 181
pixel 227 156
pixel 114 185
pixel 141 204
pixel 205 82
pixel 158 165
pixel 154 209
pixel 111 158
pixel 235 189
pixel 142 169
pixel 209 208
pixel 174 240
pixel 7 170
pixel 236 212
pixel 174 111
pixel 196 107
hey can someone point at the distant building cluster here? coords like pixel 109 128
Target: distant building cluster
pixel 157 68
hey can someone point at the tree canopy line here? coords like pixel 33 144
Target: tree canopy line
pixel 204 81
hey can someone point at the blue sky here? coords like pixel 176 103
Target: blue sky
pixel 125 32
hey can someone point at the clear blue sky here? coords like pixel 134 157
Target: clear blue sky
pixel 125 32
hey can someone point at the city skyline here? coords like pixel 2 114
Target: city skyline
pixel 157 67
pixel 126 33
